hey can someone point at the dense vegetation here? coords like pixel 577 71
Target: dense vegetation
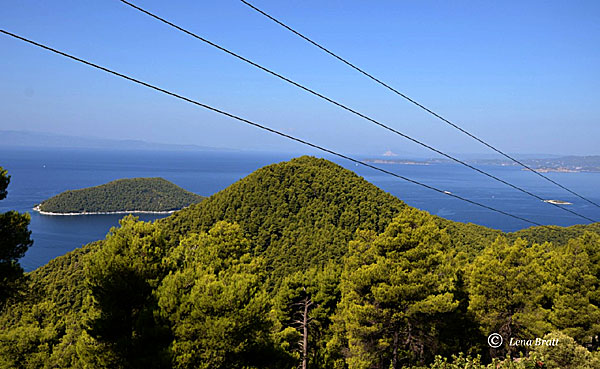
pixel 131 194
pixel 297 214
pixel 15 239
pixel 305 264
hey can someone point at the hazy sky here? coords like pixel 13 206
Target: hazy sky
pixel 524 75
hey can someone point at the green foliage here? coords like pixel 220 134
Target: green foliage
pixel 298 214
pixel 121 277
pixel 459 329
pixel 394 286
pixel 526 290
pixel 461 361
pixel 39 328
pixel 468 238
pixel 554 234
pixel 303 308
pixel 14 242
pixel 4 182
pixel 305 263
pixel 575 288
pixel 507 289
pixel 567 354
pixel 141 194
pixel 213 301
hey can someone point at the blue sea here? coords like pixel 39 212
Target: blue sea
pixel 38 174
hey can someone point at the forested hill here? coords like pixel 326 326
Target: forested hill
pixel 303 213
pixel 297 213
pixel 304 263
pixel 131 194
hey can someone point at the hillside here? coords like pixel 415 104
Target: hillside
pixel 227 283
pixel 122 195
pixel 304 212
pixel 555 234
pixel 297 213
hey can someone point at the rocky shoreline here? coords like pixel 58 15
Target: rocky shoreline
pixel 37 208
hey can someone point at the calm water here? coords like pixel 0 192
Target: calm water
pixel 39 174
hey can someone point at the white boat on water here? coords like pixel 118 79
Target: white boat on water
pixel 558 202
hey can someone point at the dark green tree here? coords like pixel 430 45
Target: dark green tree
pixel 215 303
pixel 566 354
pixel 304 305
pixel 121 277
pixel 15 239
pixel 575 289
pixel 509 291
pixel 393 288
pixel 459 329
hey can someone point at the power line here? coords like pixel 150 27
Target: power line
pixel 340 105
pixel 263 127
pixel 407 98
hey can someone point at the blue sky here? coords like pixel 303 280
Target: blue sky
pixel 522 75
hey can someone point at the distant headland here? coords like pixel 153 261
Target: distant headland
pixel 123 196
pixel 565 164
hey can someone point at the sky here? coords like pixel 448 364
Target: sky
pixel 522 75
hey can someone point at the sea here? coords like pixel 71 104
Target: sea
pixel 37 174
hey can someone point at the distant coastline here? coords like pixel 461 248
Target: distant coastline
pixel 559 170
pixel 37 208
pixel 392 161
pixel 566 164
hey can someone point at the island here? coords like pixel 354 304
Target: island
pixel 130 195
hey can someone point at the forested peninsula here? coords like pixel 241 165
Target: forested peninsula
pixel 304 264
pixel 151 195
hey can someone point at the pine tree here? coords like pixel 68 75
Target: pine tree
pixel 575 288
pixel 508 290
pixel 15 239
pixel 214 301
pixel 121 277
pixel 393 287
pixel 303 307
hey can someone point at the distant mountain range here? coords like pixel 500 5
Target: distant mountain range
pixel 539 162
pixel 28 139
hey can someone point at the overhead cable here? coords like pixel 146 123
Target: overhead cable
pixel 345 107
pixel 409 99
pixel 263 127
